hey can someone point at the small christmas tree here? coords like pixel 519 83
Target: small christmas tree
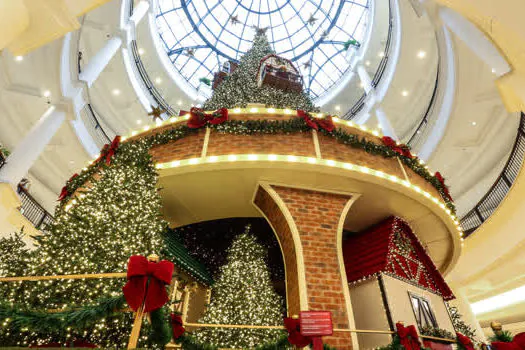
pixel 240 88
pixel 243 295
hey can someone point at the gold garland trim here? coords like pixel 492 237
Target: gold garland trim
pixel 64 277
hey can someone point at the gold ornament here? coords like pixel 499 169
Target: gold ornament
pixel 496 327
pixel 153 257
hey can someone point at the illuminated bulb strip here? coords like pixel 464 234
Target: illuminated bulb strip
pixel 287 111
pixel 311 160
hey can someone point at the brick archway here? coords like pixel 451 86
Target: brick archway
pixel 308 224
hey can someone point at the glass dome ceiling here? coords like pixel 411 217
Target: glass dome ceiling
pixel 200 35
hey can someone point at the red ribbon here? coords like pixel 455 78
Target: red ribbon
pixel 400 149
pixel 325 123
pixel 294 333
pixel 408 337
pixel 108 151
pixel 441 180
pixel 198 118
pixel 65 192
pixel 176 325
pixel 137 290
pixel 517 343
pixel 465 341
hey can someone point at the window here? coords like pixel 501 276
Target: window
pixel 423 312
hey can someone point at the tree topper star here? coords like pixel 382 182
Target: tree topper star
pixel 260 31
pixel 234 19
pixel 311 21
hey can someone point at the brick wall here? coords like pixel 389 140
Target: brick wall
pixel 316 216
pixel 185 148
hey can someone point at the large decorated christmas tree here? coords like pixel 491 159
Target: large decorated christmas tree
pixel 241 88
pixel 243 295
pixel 114 214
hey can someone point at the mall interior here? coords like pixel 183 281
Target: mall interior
pixel 367 153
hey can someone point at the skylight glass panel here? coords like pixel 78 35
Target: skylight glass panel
pixel 199 35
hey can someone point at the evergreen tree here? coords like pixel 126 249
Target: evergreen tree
pixel 117 215
pixel 240 88
pixel 243 295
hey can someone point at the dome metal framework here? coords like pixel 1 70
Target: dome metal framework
pixel 200 35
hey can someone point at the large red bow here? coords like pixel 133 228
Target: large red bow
pixel 517 343
pixel 137 290
pixel 295 337
pixel 465 341
pixel 108 151
pixel 65 192
pixel 408 337
pixel 441 180
pixel 198 118
pixel 325 123
pixel 400 149
pixel 176 325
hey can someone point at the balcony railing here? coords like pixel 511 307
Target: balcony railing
pixel 495 195
pixel 33 211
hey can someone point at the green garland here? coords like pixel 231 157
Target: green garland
pixel 438 333
pixel 45 322
pixel 253 127
pixel 504 336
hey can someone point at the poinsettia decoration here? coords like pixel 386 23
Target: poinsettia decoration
pixel 325 123
pixel 198 118
pixel 444 187
pixel 399 148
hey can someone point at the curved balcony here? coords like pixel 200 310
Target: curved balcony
pixel 501 187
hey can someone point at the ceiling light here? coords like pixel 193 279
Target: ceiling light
pixel 474 123
pixel 19 58
pixel 116 92
pixel 141 51
pixel 47 93
pixel 381 54
pixel 179 102
pixel 404 93
pixel 361 85
pixel 499 301
pixel 337 108
pixel 421 54
pixel 158 80
pixel 493 70
pixel 139 121
pixel 367 63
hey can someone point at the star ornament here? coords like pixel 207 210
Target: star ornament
pixel 190 52
pixel 156 113
pixel 311 21
pixel 234 19
pixel 259 30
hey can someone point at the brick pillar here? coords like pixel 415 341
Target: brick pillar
pixel 309 226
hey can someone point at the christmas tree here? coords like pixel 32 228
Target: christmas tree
pixel 243 295
pixel 115 216
pixel 240 88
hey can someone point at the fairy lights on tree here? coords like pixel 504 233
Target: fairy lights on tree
pixel 243 295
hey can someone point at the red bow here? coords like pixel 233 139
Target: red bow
pixel 137 290
pixel 198 118
pixel 408 337
pixel 517 343
pixel 465 341
pixel 176 325
pixel 294 333
pixel 400 149
pixel 109 150
pixel 443 186
pixel 65 192
pixel 325 123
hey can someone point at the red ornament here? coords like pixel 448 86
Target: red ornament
pixel 465 341
pixel 517 343
pixel 408 337
pixel 176 325
pixel 325 123
pixel 198 118
pixel 137 290
pixel 294 333
pixel 400 149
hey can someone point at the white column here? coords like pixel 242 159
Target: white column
pixel 386 127
pixel 97 63
pixel 27 151
pixel 475 39
pixel 365 79
pixel 139 11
